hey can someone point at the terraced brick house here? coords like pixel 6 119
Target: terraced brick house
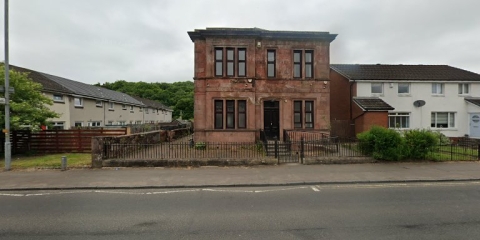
pixel 437 97
pixel 252 82
pixel 81 104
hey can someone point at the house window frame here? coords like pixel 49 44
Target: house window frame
pixel 271 63
pixel 372 88
pixel 297 123
pixel 124 106
pixel 300 110
pixel 402 117
pixel 464 89
pixel 450 124
pixel 228 114
pixel 218 114
pixel 297 63
pixel 58 98
pixel 403 93
pixel 59 125
pixel 436 87
pixel 99 103
pixel 78 102
pixel 78 124
pixel 242 114
pixel 240 61
pixel 131 109
pixel 218 61
pixel 111 106
pixel 309 64
pixel 230 62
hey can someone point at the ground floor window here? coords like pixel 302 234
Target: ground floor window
pixel 443 120
pixel 58 125
pixel 93 124
pixel 78 124
pixel 399 120
pixel 303 112
pixel 230 114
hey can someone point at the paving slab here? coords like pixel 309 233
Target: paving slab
pixel 288 174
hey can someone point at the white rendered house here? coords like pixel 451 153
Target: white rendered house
pixel 437 97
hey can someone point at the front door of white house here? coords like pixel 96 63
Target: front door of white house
pixel 475 125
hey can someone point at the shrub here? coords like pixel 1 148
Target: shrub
pixel 200 146
pixel 381 143
pixel 419 143
pixel 441 138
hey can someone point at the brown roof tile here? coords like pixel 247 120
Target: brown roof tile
pixel 404 72
pixel 372 104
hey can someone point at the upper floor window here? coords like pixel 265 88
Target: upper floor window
pixel 230 62
pixel 57 98
pixel 94 124
pixel 437 88
pixel 404 88
pixel 111 105
pixel 78 102
pixel 303 117
pixel 303 66
pixel 377 88
pixel 464 88
pixel 124 106
pixel 297 64
pixel 131 108
pixel 271 55
pixel 99 103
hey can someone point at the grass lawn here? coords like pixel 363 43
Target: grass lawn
pixel 74 160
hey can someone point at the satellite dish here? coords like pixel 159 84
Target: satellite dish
pixel 418 103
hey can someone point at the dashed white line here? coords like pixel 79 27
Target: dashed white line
pixel 315 189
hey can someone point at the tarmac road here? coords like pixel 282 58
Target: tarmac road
pixel 441 210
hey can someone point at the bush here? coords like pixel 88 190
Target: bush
pixel 200 146
pixel 382 143
pixel 419 143
pixel 441 138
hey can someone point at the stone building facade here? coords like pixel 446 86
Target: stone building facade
pixel 251 82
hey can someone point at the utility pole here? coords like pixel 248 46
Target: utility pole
pixel 8 155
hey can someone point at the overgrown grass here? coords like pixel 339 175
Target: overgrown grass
pixel 74 160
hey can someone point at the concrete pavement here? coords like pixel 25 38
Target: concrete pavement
pixel 117 178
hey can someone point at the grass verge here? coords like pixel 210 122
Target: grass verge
pixel 74 160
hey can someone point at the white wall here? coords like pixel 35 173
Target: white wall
pixel 420 117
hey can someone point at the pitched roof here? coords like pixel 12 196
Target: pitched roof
pixel 404 72
pixel 62 85
pixel 152 103
pixel 372 104
pixel 475 101
pixel 200 34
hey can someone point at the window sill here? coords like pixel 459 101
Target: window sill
pixel 444 129
pixel 59 101
pixel 98 106
pixel 404 95
pixel 110 109
pixel 78 106
pixel 438 95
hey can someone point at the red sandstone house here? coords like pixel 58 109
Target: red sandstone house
pixel 251 82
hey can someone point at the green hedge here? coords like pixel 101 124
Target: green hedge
pixel 388 144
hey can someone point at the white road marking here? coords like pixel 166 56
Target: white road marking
pixel 316 188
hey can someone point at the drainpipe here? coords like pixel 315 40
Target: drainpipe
pixel 351 99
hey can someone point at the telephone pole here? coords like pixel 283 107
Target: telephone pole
pixel 8 155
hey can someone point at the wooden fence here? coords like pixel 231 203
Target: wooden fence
pixel 58 141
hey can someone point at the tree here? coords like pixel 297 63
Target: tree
pixel 177 95
pixel 28 106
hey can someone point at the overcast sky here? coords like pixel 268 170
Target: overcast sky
pixel 95 41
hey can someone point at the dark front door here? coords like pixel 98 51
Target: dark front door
pixel 271 119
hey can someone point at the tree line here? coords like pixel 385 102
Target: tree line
pixel 178 95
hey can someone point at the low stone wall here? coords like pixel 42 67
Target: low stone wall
pixel 98 143
pixel 337 160
pixel 189 163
